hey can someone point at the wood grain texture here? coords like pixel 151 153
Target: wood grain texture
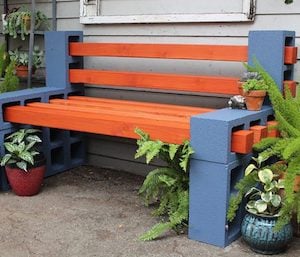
pixel 190 83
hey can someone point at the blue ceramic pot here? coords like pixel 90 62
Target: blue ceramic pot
pixel 257 232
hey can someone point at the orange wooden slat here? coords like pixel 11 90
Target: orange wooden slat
pixel 171 51
pixel 172 132
pixel 109 112
pixel 160 109
pixel 166 51
pixel 242 141
pixel 205 84
pixel 259 132
pixel 290 54
pixel 272 131
pixel 291 85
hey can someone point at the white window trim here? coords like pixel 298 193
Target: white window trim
pixel 247 14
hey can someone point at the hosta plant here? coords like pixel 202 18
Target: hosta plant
pixel 167 186
pixel 21 148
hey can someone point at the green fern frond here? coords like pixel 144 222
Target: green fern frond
pixel 292 149
pixel 156 231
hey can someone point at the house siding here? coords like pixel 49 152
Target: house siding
pixel 118 153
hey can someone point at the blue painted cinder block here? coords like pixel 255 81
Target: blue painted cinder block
pixel 211 185
pixel 268 48
pixel 211 132
pixel 57 58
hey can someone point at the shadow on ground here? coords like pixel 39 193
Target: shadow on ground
pixel 89 212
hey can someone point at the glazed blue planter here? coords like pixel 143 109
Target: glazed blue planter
pixel 257 232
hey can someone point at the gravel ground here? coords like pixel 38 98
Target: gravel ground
pixel 90 211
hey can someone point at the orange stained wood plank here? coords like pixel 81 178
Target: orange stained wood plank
pixel 260 132
pixel 171 51
pixel 291 85
pixel 168 51
pixel 118 105
pixel 108 113
pixel 205 84
pixel 172 132
pixel 272 131
pixel 242 141
pixel 290 54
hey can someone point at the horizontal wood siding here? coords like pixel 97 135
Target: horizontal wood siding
pixel 118 153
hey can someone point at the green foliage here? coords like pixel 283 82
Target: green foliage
pixel 22 58
pixel 11 81
pixel 17 22
pixel 165 186
pixel 254 84
pixel 287 147
pixel 260 187
pixel 21 150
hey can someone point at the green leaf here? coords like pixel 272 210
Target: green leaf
pixel 27 157
pixel 280 183
pixel 265 176
pixel 30 145
pixel 22 165
pixel 250 204
pixel 276 200
pixel 167 180
pixel 261 206
pixel 172 150
pixel 5 159
pixel 270 186
pixel 266 197
pixel 34 138
pixel 10 147
pixel 249 169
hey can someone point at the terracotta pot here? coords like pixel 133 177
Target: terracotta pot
pixel 26 183
pixel 22 71
pixel 254 99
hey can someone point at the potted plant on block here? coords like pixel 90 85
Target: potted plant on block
pixel 18 21
pixel 24 164
pixel 261 188
pixel 254 91
pixel 21 59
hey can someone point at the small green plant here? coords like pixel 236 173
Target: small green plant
pixel 254 84
pixel 22 57
pixel 11 81
pixel 168 186
pixel 260 186
pixel 21 148
pixel 17 21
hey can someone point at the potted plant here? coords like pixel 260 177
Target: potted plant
pixel 254 91
pixel 18 21
pixel 24 164
pixel 285 148
pixel 21 59
pixel 261 188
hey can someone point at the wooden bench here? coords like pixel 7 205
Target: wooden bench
pixel 219 137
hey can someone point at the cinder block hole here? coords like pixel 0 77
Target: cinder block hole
pixel 56 135
pixel 288 74
pixel 57 156
pixel 235 175
pixel 73 38
pixel 77 150
pixel 255 122
pixel 76 64
pixel 80 93
pixel 8 105
pixel 270 117
pixel 237 128
pixel 32 100
pixel 59 96
pixel 289 41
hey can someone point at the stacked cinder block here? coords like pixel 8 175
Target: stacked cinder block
pixel 214 169
pixel 63 149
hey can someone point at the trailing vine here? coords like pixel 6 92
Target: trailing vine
pixel 167 187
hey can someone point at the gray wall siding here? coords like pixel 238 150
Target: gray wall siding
pixel 117 153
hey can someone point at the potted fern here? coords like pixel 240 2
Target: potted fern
pixel 24 164
pixel 166 187
pixel 261 188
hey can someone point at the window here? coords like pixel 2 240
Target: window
pixel 165 11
